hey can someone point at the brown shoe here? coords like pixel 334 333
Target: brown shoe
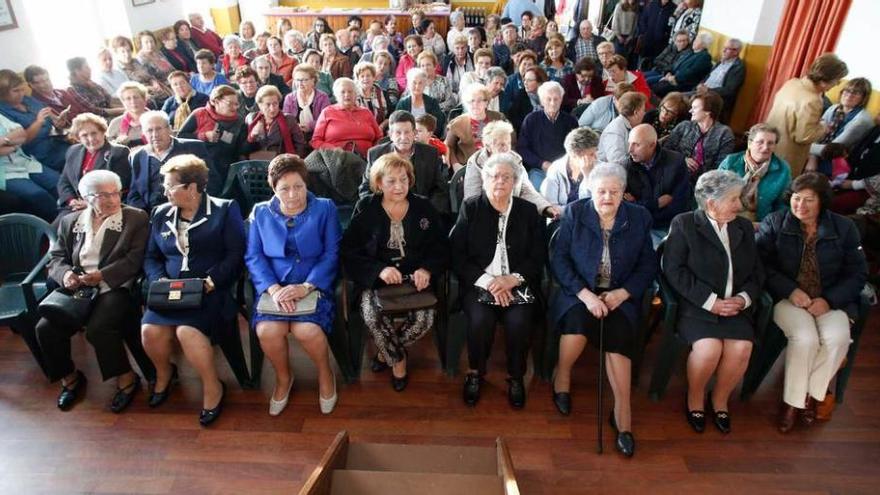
pixel 808 413
pixel 787 417
pixel 825 408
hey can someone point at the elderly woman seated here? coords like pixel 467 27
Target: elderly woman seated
pixel 292 251
pixel 711 261
pixel 497 138
pixel 766 175
pixel 93 97
pixel 265 76
pixel 151 57
pixel 219 125
pixel 125 130
pixel 464 135
pixel 436 85
pixel 848 122
pixel 193 236
pixel 177 53
pixel 417 102
pixel 543 132
pixel 598 297
pixel 336 63
pixel 566 180
pixel 346 125
pixel 673 110
pixel 232 57
pixel 498 254
pixel 42 139
pixel 184 101
pixel 31 186
pixel 99 248
pixel 396 240
pixel 153 81
pixel 94 152
pixel 370 95
pixel 306 102
pixel 816 292
pixel 703 140
pixel 272 131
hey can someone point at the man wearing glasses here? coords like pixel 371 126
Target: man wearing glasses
pixel 146 190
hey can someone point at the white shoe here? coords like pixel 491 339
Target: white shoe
pixel 327 405
pixel 277 406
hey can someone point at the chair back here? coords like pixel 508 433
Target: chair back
pixel 25 239
pixel 456 190
pixel 247 182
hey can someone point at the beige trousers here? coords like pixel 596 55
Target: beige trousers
pixel 816 348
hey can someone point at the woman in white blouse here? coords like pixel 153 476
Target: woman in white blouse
pixel 99 248
pixel 711 260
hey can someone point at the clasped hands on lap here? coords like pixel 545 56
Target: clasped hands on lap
pixel 815 306
pixel 606 302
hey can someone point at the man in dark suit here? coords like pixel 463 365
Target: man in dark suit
pixel 657 179
pixel 146 190
pixel 431 175
pixel 726 77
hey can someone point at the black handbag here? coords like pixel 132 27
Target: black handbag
pixel 184 293
pixel 521 295
pixel 403 297
pixel 69 308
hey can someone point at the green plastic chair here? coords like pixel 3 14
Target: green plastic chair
pixel 23 275
pixel 247 183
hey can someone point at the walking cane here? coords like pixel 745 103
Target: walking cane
pixel 599 408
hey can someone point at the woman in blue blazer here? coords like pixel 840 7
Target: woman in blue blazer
pixel 604 261
pixel 192 236
pixel 292 251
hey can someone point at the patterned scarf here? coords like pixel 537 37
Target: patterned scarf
pixel 754 172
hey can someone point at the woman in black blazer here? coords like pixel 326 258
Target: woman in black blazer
pixel 416 82
pixel 394 235
pixel 93 152
pixel 711 260
pixel 498 254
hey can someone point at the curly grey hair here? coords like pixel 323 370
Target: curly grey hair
pixel 714 185
pixel 606 171
pixel 579 140
pixel 502 159
pixel 90 181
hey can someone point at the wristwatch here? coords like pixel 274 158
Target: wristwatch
pixel 309 287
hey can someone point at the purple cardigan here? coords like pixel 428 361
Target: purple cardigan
pixel 319 103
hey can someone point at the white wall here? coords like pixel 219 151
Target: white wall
pixel 855 45
pixel 157 15
pixel 752 21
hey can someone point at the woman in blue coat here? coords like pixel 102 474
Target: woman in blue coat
pixel 292 251
pixel 604 261
pixel 192 236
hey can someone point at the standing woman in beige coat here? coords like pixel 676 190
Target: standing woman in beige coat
pixel 797 110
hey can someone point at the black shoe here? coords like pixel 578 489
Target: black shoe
pixel 722 421
pixel 157 398
pixel 516 393
pixel 695 418
pixel 625 443
pixel 69 394
pixel 562 401
pixel 399 384
pixel 472 389
pixel 208 416
pixel 124 396
pixel 377 366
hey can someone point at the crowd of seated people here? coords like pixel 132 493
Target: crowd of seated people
pixel 621 146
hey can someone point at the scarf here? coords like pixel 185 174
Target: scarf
pixel 477 131
pixel 305 110
pixel 754 172
pixel 126 124
pixel 226 61
pixel 283 129
pixel 217 117
pixel 183 109
pixel 839 120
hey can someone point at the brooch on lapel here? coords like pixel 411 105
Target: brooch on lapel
pixel 166 234
pixel 424 224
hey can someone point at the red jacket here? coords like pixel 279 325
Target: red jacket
pixel 637 79
pixel 352 130
pixel 207 39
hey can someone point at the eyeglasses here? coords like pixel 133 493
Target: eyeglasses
pixel 169 188
pixel 502 177
pixel 102 195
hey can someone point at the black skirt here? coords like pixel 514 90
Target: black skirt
pixel 619 336
pixel 739 327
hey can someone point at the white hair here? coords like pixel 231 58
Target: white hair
pixel 413 73
pixel 339 84
pixel 468 92
pixel 508 159
pixel 231 39
pixel 549 86
pixel 90 181
pixel 705 38
pixel 151 115
pixel 606 171
pixel 715 185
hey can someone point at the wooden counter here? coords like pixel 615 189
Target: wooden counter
pixel 338 18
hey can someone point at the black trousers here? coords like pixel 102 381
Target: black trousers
pixel 482 318
pixel 113 325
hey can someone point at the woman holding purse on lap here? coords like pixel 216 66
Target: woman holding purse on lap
pixel 292 255
pixel 193 236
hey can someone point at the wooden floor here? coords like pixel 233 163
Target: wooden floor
pixel 90 450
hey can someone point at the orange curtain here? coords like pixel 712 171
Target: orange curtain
pixel 808 28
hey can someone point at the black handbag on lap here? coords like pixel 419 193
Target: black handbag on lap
pixel 403 297
pixel 69 308
pixel 184 293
